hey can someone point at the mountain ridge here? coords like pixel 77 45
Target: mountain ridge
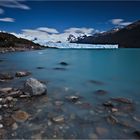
pixel 127 37
pixel 9 42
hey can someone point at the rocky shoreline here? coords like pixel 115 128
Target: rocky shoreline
pixel 18 49
pixel 115 112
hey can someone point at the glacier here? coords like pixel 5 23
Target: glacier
pixel 66 45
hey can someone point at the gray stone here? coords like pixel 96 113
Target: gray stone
pixel 22 74
pixel 58 119
pixel 33 87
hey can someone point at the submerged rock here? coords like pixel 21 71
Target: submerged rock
pixel 1 60
pixel 111 119
pixel 101 92
pixel 122 100
pixel 6 90
pixel 8 121
pixel 137 133
pixel 6 76
pixel 63 63
pixel 95 82
pixel 33 87
pixel 20 116
pixel 1 125
pixel 58 103
pixel 108 104
pixel 40 67
pixel 15 93
pixel 22 74
pixel 59 68
pixel 15 126
pixel 58 119
pixel 72 98
pixel 101 131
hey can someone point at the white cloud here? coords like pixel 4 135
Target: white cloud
pixel 80 30
pixel 1 11
pixel 48 30
pixel 51 34
pixel 7 19
pixel 119 22
pixel 14 4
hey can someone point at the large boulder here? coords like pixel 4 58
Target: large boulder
pixel 33 87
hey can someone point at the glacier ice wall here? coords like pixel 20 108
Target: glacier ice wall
pixel 80 46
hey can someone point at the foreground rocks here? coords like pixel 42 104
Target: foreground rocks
pixel 64 115
pixel 33 87
pixel 63 63
pixel 6 76
pixel 22 74
pixel 20 116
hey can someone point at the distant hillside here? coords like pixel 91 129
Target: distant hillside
pixel 9 42
pixel 127 37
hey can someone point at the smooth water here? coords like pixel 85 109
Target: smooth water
pixel 118 71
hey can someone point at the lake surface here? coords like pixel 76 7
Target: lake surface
pixel 114 71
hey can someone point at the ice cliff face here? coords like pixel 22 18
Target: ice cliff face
pixel 65 44
pixel 80 46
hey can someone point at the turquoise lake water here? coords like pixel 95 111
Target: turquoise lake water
pixel 118 71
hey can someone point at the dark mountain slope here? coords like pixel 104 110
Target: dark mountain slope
pixel 127 37
pixel 9 42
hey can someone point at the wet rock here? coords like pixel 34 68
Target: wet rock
pixel 1 60
pixel 0 117
pixel 33 87
pixel 95 82
pixel 125 124
pixel 59 69
pixel 2 81
pixel 63 63
pixel 6 90
pixel 114 109
pixel 101 131
pixel 6 76
pixel 40 67
pixel 20 116
pixel 15 93
pixel 15 126
pixel 1 125
pixel 58 119
pixel 49 123
pixel 8 121
pixel 72 98
pixel 127 108
pixel 86 106
pixel 93 136
pixel 22 74
pixel 137 133
pixel 108 104
pixel 72 116
pixel 5 105
pixel 111 119
pixel 58 103
pixel 9 98
pixel 24 96
pixel 122 100
pixel 101 92
pixel 136 118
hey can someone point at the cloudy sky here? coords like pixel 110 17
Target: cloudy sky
pixel 55 20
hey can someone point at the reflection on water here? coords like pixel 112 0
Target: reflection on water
pixel 113 73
